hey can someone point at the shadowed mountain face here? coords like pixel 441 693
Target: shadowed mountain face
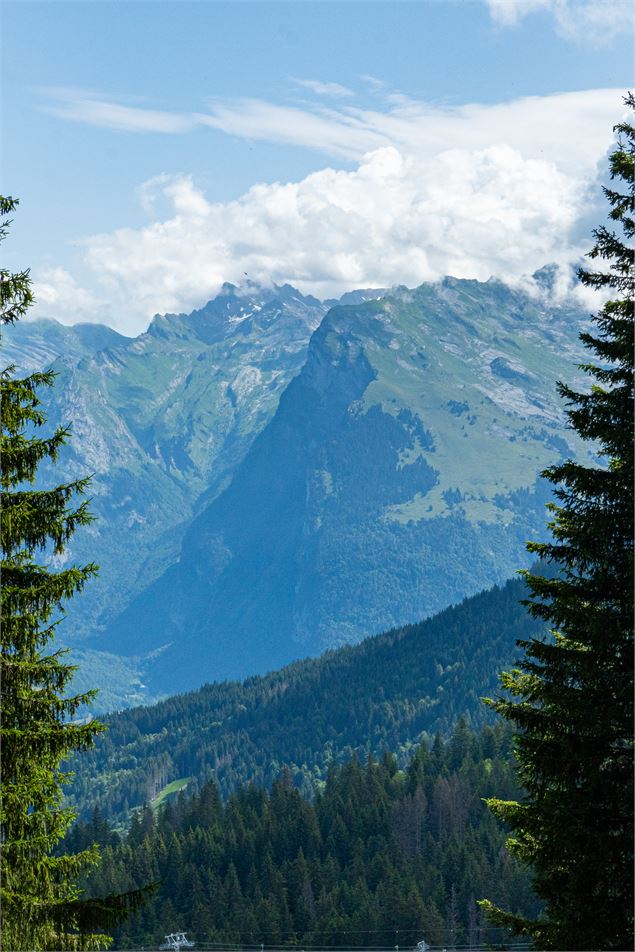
pixel 398 474
pixel 161 421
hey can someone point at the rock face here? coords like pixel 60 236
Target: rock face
pixel 399 473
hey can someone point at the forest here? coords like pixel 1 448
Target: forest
pixel 380 856
pixel 384 694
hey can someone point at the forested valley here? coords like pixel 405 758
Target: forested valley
pixel 387 693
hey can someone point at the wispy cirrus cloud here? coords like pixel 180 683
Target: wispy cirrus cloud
pixel 81 106
pixel 562 127
pixel 595 22
pixel 320 88
pixel 374 82
pixel 341 133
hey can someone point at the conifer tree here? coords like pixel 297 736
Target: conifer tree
pixel 40 900
pixel 572 696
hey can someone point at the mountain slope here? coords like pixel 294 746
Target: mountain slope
pixel 383 694
pixel 160 420
pixel 398 474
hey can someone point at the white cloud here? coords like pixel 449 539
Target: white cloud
pixel 586 21
pixel 58 294
pixel 94 110
pixel 376 84
pixel 325 89
pixel 564 128
pixel 561 127
pixel 337 133
pixel 472 191
pixel 511 12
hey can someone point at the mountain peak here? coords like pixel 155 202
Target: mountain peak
pixel 227 289
pixel 547 277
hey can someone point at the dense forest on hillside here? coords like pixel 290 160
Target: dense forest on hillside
pixel 379 857
pixel 384 694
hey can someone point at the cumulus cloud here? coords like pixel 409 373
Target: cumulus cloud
pixel 474 191
pixel 392 220
pixel 590 21
pixel 57 293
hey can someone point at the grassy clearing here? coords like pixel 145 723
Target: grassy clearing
pixel 168 791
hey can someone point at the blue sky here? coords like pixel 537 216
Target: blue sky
pixel 159 148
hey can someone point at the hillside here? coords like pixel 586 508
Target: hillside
pixel 398 474
pixel 383 694
pixel 380 858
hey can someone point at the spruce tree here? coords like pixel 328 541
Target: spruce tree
pixel 41 906
pixel 572 696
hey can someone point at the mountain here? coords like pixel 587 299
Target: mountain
pixel 386 693
pixel 161 420
pixel 260 497
pixel 399 473
pixel 37 344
